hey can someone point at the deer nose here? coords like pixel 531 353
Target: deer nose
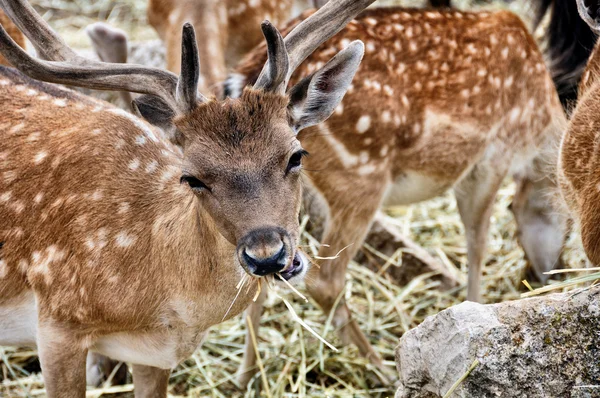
pixel 263 252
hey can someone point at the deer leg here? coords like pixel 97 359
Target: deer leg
pixel 348 223
pixel 475 196
pixel 150 382
pixel 100 367
pixel 249 360
pixel 62 356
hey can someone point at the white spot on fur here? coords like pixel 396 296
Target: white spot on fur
pixel 386 117
pixel 16 128
pixel 4 82
pixel 137 122
pixel 152 166
pixel 405 101
pixel 124 240
pixel 514 114
pixel 31 92
pixel 3 269
pixel 339 109
pixel 134 164
pixel 384 151
pixel 387 90
pixel 38 198
pixel 97 195
pixel 370 47
pixel 33 137
pixel 60 102
pixel 504 52
pixel 39 157
pixel 366 169
pixel 363 124
pixel 140 140
pixel 18 207
pixel 123 208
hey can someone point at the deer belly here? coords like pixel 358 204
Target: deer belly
pixel 412 187
pixel 18 321
pixel 163 349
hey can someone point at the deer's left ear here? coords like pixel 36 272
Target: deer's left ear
pixel 314 98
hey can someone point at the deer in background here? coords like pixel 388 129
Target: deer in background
pixel 443 100
pixel 125 240
pixel 579 165
pixel 227 30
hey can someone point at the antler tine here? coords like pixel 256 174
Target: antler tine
pixel 50 45
pixel 278 64
pixel 315 30
pixel 64 66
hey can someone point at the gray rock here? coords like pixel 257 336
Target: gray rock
pixel 540 347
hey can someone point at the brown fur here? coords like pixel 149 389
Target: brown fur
pixel 579 162
pixel 459 99
pixel 13 32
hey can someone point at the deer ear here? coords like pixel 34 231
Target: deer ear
pixel 590 13
pixel 157 112
pixel 314 98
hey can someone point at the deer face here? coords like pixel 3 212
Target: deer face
pixel 243 162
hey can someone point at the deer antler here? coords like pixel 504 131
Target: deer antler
pixel 304 39
pixel 62 65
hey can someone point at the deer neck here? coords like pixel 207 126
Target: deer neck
pixel 200 267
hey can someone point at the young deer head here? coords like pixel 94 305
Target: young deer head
pixel 579 164
pixel 152 229
pixel 240 157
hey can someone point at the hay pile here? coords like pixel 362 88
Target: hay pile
pixel 295 363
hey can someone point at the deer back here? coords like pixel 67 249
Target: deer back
pixel 436 92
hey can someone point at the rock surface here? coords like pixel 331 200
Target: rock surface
pixel 539 347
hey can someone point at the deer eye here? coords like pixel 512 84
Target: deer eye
pixel 194 183
pixel 295 161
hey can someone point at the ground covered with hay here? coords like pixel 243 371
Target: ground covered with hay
pixel 295 363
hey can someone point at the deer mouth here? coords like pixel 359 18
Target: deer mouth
pixel 296 270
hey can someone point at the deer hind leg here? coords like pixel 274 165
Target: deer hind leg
pixel 62 356
pixel 111 46
pixel 350 216
pixel 150 382
pixel 249 360
pixel 475 196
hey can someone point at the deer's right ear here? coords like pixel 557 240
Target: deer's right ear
pixel 314 99
pixel 157 112
pixel 590 13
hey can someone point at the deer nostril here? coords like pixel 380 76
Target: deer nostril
pixel 265 261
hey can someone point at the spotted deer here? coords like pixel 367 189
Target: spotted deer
pixel 578 161
pixel 227 30
pixel 443 100
pixel 128 240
